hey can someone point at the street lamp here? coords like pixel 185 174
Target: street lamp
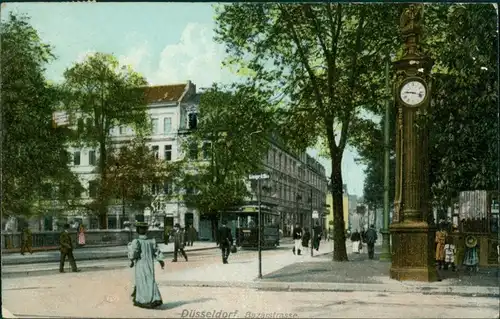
pixel 258 178
pixel 123 198
pixel 311 219
pixel 298 199
pixel 386 245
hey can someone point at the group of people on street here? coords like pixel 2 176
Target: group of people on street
pixel 302 237
pixel 27 238
pixel 369 237
pixel 446 250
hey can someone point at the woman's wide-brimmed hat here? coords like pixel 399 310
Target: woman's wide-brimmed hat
pixel 470 241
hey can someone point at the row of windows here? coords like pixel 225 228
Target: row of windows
pixel 167 152
pixel 194 151
pixel 165 126
pixel 77 158
pixel 166 188
pixel 289 193
pixel 284 163
pixel 167 155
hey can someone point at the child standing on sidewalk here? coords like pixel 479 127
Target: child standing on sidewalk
pixel 449 252
pixel 471 259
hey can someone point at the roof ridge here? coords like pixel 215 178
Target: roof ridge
pixel 162 85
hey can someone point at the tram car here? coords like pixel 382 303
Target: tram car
pixel 247 222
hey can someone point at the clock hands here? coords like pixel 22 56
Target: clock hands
pixel 417 93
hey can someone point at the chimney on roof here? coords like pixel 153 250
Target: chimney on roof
pixel 192 87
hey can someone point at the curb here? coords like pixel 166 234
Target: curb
pixel 103 255
pixel 472 291
pixel 56 248
pixel 55 271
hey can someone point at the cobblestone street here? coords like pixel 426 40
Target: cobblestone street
pixel 80 298
pixel 106 294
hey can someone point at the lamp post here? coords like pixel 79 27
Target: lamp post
pixel 295 220
pixel 386 245
pixel 258 178
pixel 497 9
pixel 311 219
pixel 123 196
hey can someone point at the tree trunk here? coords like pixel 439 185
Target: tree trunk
pixel 103 209
pixel 339 247
pixel 374 217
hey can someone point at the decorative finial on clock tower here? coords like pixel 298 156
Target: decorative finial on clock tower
pixel 411 30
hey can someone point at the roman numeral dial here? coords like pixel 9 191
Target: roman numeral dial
pixel 413 93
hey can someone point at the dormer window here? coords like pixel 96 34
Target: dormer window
pixel 192 121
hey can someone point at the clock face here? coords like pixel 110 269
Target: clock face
pixel 413 93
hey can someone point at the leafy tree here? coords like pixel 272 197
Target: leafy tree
pixel 33 153
pixel 138 177
pixel 101 94
pixel 370 145
pixel 464 126
pixel 462 39
pixel 235 123
pixel 325 60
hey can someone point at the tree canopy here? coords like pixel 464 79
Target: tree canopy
pixel 462 40
pixel 324 60
pixel 136 176
pixel 100 95
pixel 235 124
pixel 34 154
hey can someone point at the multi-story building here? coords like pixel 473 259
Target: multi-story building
pixel 172 108
pixel 173 112
pixel 297 186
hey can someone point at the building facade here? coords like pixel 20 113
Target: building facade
pixel 297 187
pixel 294 179
pixel 170 108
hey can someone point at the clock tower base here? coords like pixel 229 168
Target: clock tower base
pixel 412 252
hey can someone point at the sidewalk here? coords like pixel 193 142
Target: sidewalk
pixel 242 270
pixel 91 253
pixel 286 272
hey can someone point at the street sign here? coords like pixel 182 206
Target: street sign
pixel 60 118
pixel 258 176
pixel 315 214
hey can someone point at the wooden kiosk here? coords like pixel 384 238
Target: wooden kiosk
pixel 476 213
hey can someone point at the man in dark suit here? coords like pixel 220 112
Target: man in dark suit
pixel 225 240
pixel 317 233
pixel 179 239
pixel 371 239
pixel 66 247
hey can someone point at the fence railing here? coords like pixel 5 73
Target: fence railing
pixel 92 238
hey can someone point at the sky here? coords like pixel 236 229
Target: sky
pixel 167 43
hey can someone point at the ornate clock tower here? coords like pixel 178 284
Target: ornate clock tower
pixel 412 228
